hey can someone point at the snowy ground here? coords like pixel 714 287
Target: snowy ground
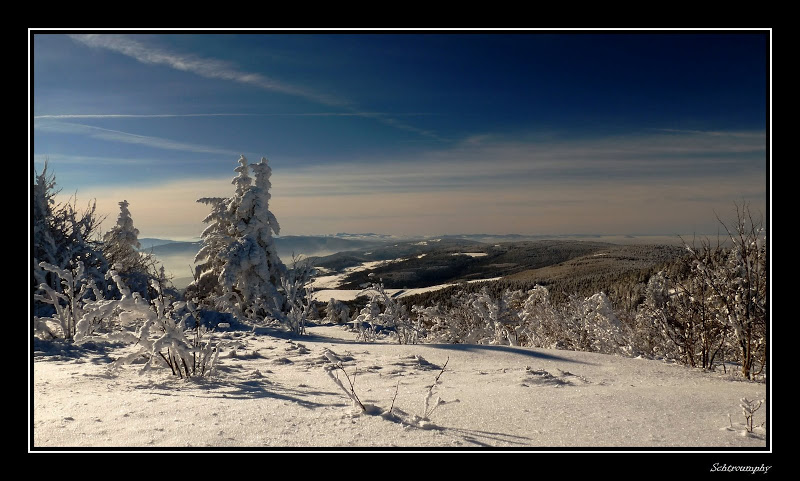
pixel 276 392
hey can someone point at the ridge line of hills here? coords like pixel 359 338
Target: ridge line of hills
pixel 426 262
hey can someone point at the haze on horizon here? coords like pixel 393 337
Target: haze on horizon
pixel 647 133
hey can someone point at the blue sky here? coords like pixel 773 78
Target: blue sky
pixel 410 133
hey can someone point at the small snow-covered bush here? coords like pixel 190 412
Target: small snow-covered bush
pixel 72 305
pixel 748 409
pixel 336 312
pixel 591 325
pixel 156 330
pixel 295 285
pixel 527 319
pixel 366 321
pixel 161 339
pixel 394 316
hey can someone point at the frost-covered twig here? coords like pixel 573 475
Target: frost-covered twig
pixel 352 392
pixel 396 389
pixel 748 409
pixel 428 407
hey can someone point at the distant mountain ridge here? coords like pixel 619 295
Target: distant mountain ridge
pixel 306 246
pixel 427 260
pixel 150 242
pixel 178 256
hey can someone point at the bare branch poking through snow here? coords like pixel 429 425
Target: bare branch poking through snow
pixel 350 393
pixel 428 407
pixel 748 409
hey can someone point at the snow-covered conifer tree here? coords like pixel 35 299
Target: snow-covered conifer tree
pixel 252 267
pixel 120 246
pixel 122 241
pixel 44 246
pixel 63 237
pixel 208 264
pixel 239 268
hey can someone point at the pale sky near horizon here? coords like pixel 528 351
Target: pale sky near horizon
pixel 410 133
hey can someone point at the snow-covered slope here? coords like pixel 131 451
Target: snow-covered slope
pixel 274 391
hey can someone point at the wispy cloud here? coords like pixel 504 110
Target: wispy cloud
pixel 126 137
pixel 133 116
pixel 205 67
pixel 634 183
pixel 287 114
pixel 718 133
pixel 485 162
pixel 90 160
pixel 219 69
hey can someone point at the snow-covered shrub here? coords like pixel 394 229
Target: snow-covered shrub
pixel 69 302
pixel 678 320
pixel 714 307
pixel 460 324
pixel 295 285
pixel 519 318
pixel 748 410
pixel 593 325
pixel 367 322
pixel 431 321
pixel 161 338
pixel 542 324
pixel 336 312
pixel 499 319
pixel 736 278
pixel 394 316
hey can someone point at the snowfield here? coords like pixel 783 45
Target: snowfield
pixel 275 391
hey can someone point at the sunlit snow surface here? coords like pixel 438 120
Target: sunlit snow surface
pixel 273 391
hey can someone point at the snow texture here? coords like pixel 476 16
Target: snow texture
pixel 273 391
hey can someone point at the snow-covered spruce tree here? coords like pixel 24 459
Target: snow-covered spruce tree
pixel 208 264
pixel 120 247
pixel 45 248
pixel 122 241
pixel 239 270
pixel 63 237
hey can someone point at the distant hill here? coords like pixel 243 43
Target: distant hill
pixel 564 267
pixel 453 260
pixel 306 246
pixel 560 263
pixel 149 242
pixel 177 257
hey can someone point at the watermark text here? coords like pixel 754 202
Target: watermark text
pixel 730 468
